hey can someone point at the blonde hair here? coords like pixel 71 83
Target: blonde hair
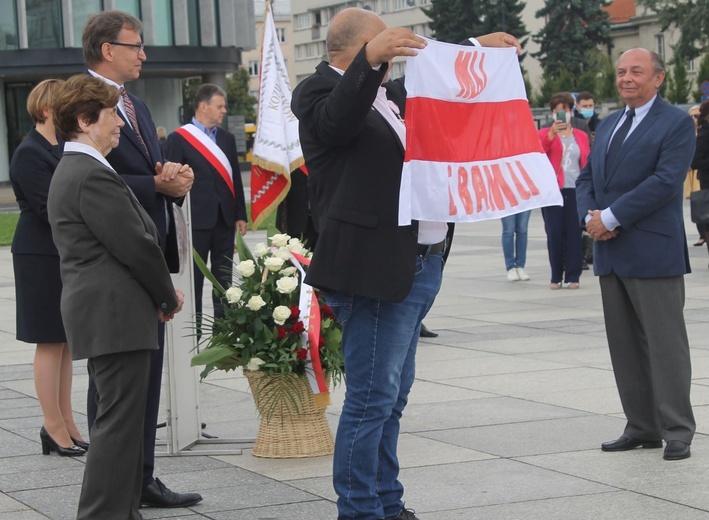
pixel 41 97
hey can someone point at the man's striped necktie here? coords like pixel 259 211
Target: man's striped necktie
pixel 130 112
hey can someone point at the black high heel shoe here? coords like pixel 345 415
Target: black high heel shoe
pixel 49 445
pixel 81 444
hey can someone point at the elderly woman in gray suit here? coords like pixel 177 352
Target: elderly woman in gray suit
pixel 115 281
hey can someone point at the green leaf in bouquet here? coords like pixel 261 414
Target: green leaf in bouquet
pixel 218 289
pixel 212 355
pixel 243 250
pixel 258 324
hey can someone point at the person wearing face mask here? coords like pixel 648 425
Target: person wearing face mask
pixel 567 149
pixel 585 108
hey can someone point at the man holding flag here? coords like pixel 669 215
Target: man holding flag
pixel 380 278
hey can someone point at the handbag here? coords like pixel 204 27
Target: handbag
pixel 699 206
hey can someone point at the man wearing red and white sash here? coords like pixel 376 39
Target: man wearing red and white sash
pixel 217 196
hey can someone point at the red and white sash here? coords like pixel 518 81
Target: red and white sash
pixel 210 151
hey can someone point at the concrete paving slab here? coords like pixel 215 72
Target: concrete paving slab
pixel 510 405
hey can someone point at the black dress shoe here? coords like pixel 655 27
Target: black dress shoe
pixel 427 333
pixel 406 514
pixel 84 445
pixel 626 442
pixel 49 445
pixel 676 450
pixel 157 494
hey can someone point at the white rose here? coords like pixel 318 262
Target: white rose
pixel 283 253
pixel 274 263
pixel 246 268
pixel 310 256
pixel 286 284
pixel 260 250
pixel 254 364
pixel 297 249
pixel 281 314
pixel 255 303
pixel 288 271
pixel 280 239
pixel 233 294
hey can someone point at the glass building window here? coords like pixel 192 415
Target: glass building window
pixel 660 45
pixel 193 21
pixel 130 6
pixel 44 24
pixel 163 22
pixel 253 68
pixel 80 11
pixel 8 25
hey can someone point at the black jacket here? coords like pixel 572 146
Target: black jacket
pixel 355 160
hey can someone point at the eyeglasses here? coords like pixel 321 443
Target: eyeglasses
pixel 139 47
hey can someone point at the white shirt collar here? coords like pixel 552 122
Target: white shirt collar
pixel 73 146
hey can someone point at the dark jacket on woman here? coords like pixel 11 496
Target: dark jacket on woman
pixel 701 152
pixel 31 171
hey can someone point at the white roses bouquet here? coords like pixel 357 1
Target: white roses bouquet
pixel 262 328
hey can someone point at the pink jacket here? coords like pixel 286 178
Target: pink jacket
pixel 554 150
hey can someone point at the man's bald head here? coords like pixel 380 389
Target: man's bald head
pixel 349 30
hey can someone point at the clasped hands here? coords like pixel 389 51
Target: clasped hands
pixel 597 229
pixel 173 179
pixel 399 41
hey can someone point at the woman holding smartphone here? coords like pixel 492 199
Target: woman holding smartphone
pixel 567 149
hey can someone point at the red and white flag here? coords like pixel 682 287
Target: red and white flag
pixel 472 150
pixel 276 144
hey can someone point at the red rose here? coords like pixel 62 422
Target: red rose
pixel 321 343
pixel 297 328
pixel 301 353
pixel 294 312
pixel 326 312
pixel 281 332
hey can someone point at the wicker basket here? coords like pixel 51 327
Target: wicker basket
pixel 291 425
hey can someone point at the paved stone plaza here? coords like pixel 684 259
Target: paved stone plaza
pixel 505 420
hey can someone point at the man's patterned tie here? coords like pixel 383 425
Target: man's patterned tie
pixel 130 112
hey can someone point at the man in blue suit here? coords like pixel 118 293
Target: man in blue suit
pixel 630 197
pixel 114 52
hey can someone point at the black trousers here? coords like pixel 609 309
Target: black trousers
pixel 114 465
pixel 152 406
pixel 217 244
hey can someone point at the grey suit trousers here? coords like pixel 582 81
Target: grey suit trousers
pixel 113 478
pixel 649 350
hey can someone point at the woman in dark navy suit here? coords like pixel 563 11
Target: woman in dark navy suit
pixel 38 286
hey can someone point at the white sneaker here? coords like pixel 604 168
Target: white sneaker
pixel 523 276
pixel 512 275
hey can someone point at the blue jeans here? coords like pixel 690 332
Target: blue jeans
pixel 515 251
pixel 379 345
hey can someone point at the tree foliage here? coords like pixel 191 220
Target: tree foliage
pixel 702 76
pixel 691 18
pixel 455 20
pixel 572 29
pixel 239 100
pixel 678 86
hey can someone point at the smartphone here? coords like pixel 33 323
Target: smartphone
pixel 561 116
